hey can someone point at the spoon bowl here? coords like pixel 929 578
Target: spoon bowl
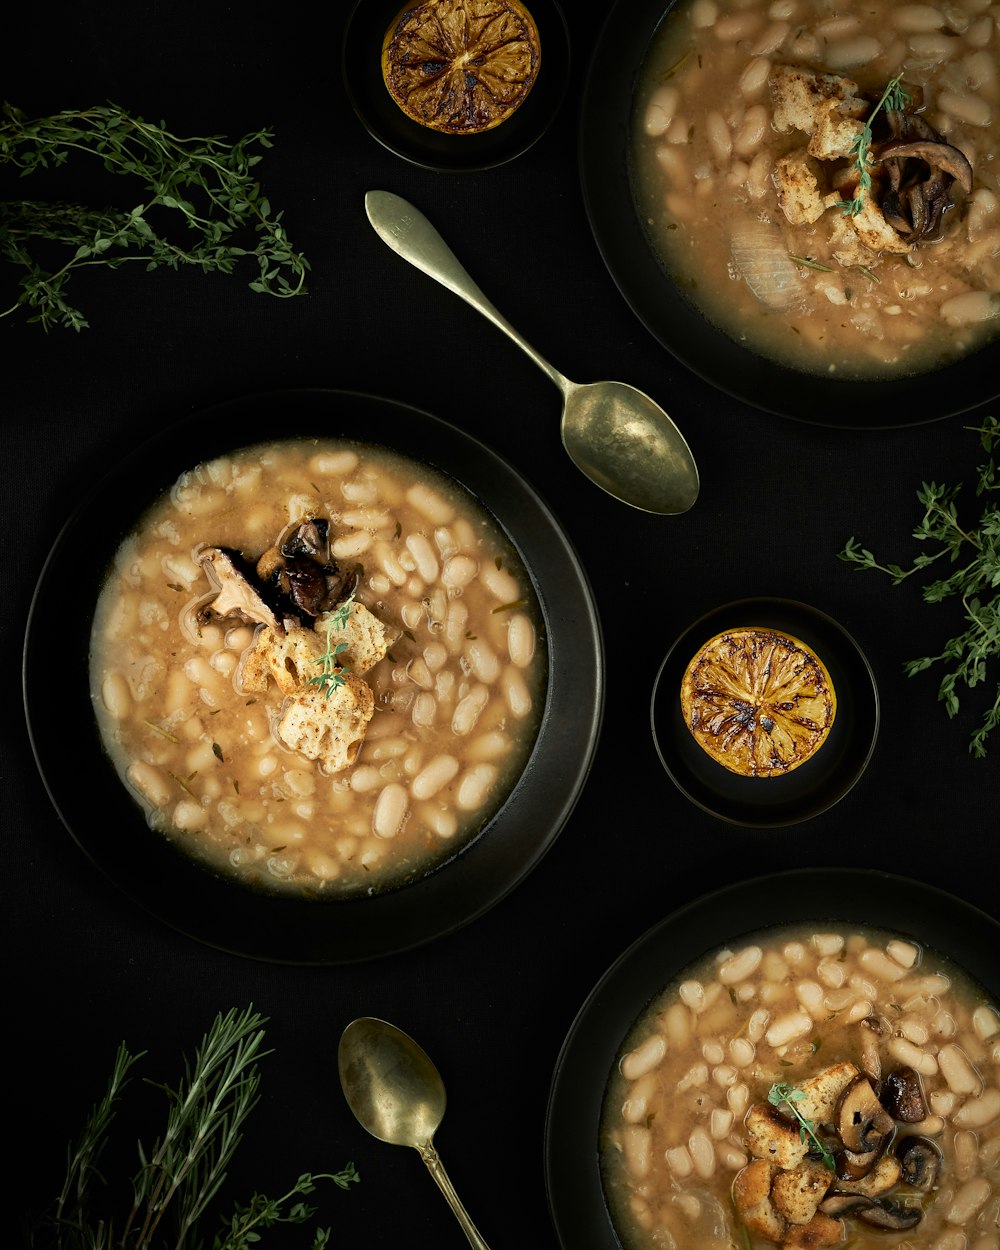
pixel 397 1095
pixel 616 435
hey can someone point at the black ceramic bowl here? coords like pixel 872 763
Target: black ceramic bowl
pixel 108 823
pixel 607 179
pixel 831 897
pixel 813 787
pixel 420 145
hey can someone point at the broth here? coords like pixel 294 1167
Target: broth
pixel 341 751
pixel 682 1140
pixel 753 226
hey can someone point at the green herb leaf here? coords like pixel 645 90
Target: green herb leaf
pixel 788 1095
pixel 205 184
pixel 183 1171
pixel 974 554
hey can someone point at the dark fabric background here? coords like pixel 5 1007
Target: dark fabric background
pixel 492 1003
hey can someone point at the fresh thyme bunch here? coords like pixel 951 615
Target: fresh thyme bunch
pixel 208 185
pixel 976 582
pixel 180 1176
pixel 893 99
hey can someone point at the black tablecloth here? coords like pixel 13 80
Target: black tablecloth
pixel 87 968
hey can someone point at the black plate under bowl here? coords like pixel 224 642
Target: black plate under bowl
pixel 108 823
pixel 813 787
pixel 605 131
pixel 385 121
pixel 938 921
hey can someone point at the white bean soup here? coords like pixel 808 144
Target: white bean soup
pixel 822 180
pixel 318 667
pixel 809 1088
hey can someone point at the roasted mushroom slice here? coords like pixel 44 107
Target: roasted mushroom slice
pixel 837 1205
pixel 851 1166
pixel 233 594
pixel 861 1121
pixel 920 1160
pixel 903 1097
pixel 883 1214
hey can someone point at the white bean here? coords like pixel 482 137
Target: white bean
pixel 959 1074
pixel 434 776
pixel 917 17
pixel 679 1161
pixel 880 965
pixel 741 965
pixel 660 109
pixel 520 639
pixel 970 1197
pixel 978 1112
pixel 971 308
pixel 637 1150
pixel 754 77
pixel 852 53
pixel 702 1152
pixel 912 1056
pixel 483 660
pixel 965 107
pixel 459 570
pixel 430 504
pixel 468 710
pixel 789 1028
pixel 115 695
pixel 475 786
pixel 390 810
pixel 986 1022
pixel 647 1056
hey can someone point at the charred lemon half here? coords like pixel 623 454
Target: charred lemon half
pixel 759 702
pixel 461 66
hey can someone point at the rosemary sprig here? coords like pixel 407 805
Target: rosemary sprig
pixel 209 186
pixel 186 1167
pixel 788 1095
pixel 893 99
pixel 976 582
pixel 331 677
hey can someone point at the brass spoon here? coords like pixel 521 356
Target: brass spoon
pixel 397 1095
pixel 615 434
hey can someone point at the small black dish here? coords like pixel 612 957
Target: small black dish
pixel 605 129
pixel 768 803
pixel 934 919
pixel 108 823
pixel 386 122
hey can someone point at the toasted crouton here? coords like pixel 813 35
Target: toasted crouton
pixel 290 658
pixel 770 1136
pixel 752 1196
pixel 874 231
pixel 327 726
pixel 798 1192
pixel 822 1091
pixel 366 638
pixel 797 182
pixel 835 128
pixel 797 93
pixel 820 1232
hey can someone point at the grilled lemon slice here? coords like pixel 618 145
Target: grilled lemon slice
pixel 760 703
pixel 461 66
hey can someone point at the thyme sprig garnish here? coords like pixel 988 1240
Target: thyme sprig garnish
pixel 182 1173
pixel 787 1095
pixel 893 99
pixel 331 677
pixel 209 186
pixel 976 582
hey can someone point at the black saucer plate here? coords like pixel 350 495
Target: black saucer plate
pixel 386 122
pixel 108 824
pixel 936 920
pixel 812 787
pixel 604 137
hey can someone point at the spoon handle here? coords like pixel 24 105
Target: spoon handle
pixel 408 232
pixel 431 1157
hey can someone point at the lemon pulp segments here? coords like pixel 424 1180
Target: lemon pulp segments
pixel 759 702
pixel 461 66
